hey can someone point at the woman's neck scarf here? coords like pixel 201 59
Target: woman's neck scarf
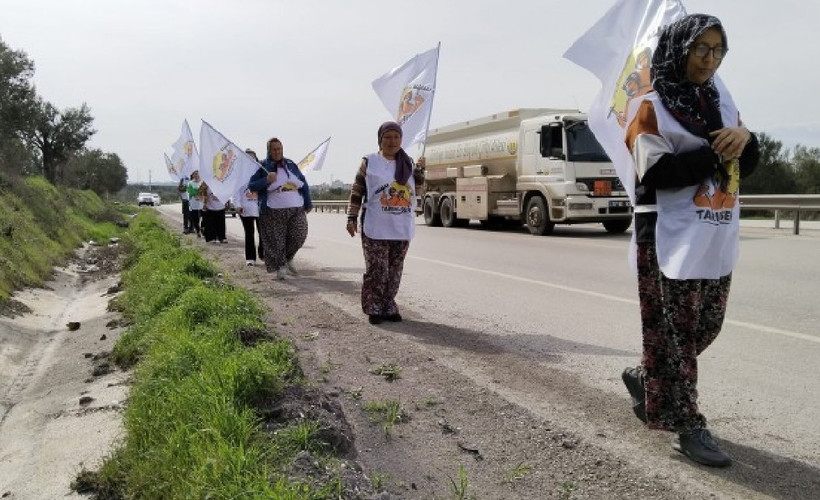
pixel 696 107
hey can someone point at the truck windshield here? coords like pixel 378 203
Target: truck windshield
pixel 582 144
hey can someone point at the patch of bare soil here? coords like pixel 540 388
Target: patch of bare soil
pixel 60 399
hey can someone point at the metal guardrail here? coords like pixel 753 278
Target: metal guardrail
pixel 776 203
pixel 338 206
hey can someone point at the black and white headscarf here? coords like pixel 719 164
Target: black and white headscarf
pixel 696 107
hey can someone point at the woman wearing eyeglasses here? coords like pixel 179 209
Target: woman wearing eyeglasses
pixel 690 151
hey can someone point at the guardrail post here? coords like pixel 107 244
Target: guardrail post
pixel 777 219
pixel 797 221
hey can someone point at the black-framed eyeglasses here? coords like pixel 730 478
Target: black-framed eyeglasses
pixel 702 50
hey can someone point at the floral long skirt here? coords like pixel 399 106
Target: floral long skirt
pixel 384 264
pixel 283 232
pixel 680 319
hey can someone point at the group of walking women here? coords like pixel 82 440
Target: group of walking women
pixel 689 150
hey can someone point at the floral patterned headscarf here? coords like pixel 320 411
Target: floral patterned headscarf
pixel 696 107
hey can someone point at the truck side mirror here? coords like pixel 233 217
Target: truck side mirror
pixel 551 141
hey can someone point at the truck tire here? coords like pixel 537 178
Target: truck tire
pixel 617 226
pixel 538 221
pixel 448 214
pixel 431 218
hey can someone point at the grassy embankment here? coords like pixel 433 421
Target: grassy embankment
pixel 41 226
pixel 201 359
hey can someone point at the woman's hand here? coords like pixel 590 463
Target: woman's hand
pixel 271 177
pixel 421 162
pixel 729 142
pixel 352 227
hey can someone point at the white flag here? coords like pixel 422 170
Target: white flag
pixel 172 169
pixel 316 158
pixel 407 93
pixel 185 156
pixel 224 166
pixel 618 50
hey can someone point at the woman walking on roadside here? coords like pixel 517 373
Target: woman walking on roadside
pixel 284 200
pixel 690 151
pixel 385 191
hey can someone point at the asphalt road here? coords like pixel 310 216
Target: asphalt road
pixel 570 301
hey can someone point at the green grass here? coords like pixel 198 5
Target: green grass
pixel 192 429
pixel 41 226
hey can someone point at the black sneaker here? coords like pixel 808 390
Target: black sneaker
pixel 395 317
pixel 699 446
pixel 374 319
pixel 633 380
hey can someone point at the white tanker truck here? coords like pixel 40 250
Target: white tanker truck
pixel 540 167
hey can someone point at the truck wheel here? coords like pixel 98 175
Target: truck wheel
pixel 617 226
pixel 431 218
pixel 448 215
pixel 538 221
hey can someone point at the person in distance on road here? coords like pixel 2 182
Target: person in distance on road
pixel 196 202
pixel 187 228
pixel 689 150
pixel 284 201
pixel 384 180
pixel 248 208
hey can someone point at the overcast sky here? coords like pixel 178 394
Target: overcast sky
pixel 301 70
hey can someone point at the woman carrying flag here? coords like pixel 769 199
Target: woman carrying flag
pixel 689 150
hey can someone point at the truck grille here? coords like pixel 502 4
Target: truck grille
pixel 602 187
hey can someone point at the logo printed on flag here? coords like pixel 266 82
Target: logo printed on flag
pixel 223 162
pixel 412 99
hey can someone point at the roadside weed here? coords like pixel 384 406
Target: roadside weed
pixel 387 413
pixel 566 489
pixel 389 371
pixel 518 473
pixel 459 488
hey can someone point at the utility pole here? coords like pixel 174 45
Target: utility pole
pixel 149 179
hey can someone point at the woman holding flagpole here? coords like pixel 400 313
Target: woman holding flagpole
pixel 384 190
pixel 690 151
pixel 284 201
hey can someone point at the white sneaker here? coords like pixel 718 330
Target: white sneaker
pixel 291 268
pixel 282 273
pixel 249 263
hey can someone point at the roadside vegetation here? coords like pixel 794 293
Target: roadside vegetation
pixel 205 376
pixel 41 226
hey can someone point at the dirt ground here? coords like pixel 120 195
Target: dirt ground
pixel 462 432
pixel 60 399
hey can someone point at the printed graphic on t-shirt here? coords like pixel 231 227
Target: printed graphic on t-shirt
pixel 716 203
pixel 395 198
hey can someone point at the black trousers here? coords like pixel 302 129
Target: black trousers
pixel 248 224
pixel 194 216
pixel 213 225
pixel 186 216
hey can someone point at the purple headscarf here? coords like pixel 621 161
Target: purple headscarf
pixel 404 164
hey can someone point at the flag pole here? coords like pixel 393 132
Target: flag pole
pixel 429 115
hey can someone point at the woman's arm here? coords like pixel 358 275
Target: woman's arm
pixel 357 192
